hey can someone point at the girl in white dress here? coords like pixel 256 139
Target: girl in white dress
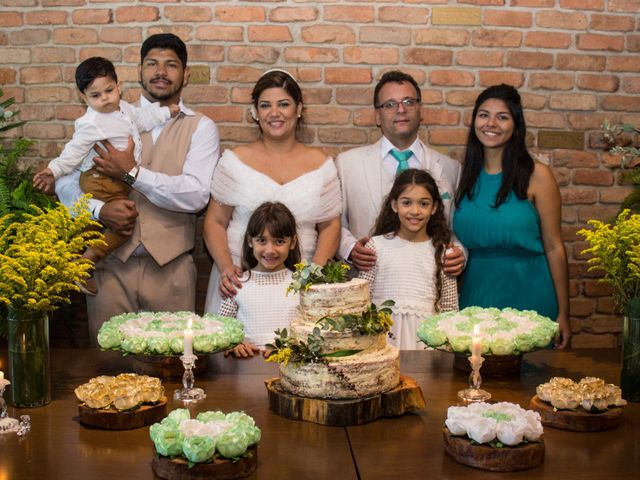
pixel 269 254
pixel 410 238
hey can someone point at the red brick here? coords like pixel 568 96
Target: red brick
pixel 364 117
pixel 316 96
pixel 342 136
pixel 385 35
pixel 581 307
pixel 48 130
pixel 447 136
pixel 497 38
pixel 53 55
pixel 574 159
pixel 561 20
pixel 322 33
pixel 442 36
pixel 568 61
pixel 530 60
pixel 633 43
pixel 588 121
pixel 36 75
pixel 242 54
pixel 137 13
pixel 36 112
pixel 48 95
pixel 217 32
pixel 60 3
pixel 630 6
pixel 604 324
pixel 440 116
pixel 507 18
pixel 428 56
pixel 599 83
pixel 354 96
pixel 582 4
pixel 545 120
pixel 572 101
pixel 321 115
pixel 605 305
pixel 533 3
pixel 15 55
pixel 612 23
pixel 7 75
pixel 238 134
pixel 311 55
pixel 596 288
pixel 341 13
pixel 480 58
pixel 241 95
pixel 227 73
pixel 112 53
pixel 215 53
pixel 371 55
pixel 347 75
pixel 551 81
pixel 184 32
pixel 573 195
pixel 205 94
pixel 531 101
pixel 188 14
pixel 585 176
pixel 484 2
pixel 631 85
pixel 453 78
pixel 121 34
pixel 488 78
pixel 46 17
pixel 416 15
pixel 621 103
pixel 585 340
pixel 269 33
pixel 10 19
pixel 223 113
pixel 615 194
pixel 593 41
pixel 293 14
pixel 92 16
pixel 623 64
pixel 462 98
pixel 547 40
pixel 431 97
pixel 240 14
pixel 32 36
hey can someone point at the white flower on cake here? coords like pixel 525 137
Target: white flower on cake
pixel 505 422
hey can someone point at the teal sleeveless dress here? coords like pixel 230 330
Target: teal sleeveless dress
pixel 507 266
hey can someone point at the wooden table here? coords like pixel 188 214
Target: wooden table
pixel 406 447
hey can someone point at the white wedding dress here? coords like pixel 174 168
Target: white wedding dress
pixel 313 197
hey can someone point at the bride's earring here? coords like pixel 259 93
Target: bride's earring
pixel 254 113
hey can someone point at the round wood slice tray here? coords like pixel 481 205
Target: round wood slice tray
pixel 576 421
pixel 493 365
pixel 505 459
pixel 110 419
pixel 165 366
pixel 219 469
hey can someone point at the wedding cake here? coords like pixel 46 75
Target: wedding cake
pixel 337 347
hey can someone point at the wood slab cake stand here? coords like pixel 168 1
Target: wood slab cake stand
pixel 577 421
pixel 406 397
pixel 219 469
pixel 110 419
pixel 485 457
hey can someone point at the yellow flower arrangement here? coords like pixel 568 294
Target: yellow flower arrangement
pixel 40 256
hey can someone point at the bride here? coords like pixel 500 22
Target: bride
pixel 277 167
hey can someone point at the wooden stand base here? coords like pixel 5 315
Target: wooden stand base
pixel 406 397
pixel 493 365
pixel 165 366
pixel 114 420
pixel 220 469
pixel 576 421
pixel 505 459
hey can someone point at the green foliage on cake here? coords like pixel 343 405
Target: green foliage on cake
pixel 210 435
pixel 502 332
pixel 308 273
pixel 162 333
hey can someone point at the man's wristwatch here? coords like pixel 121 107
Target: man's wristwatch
pixel 130 177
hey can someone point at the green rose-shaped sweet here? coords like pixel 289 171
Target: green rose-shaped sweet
pixel 240 418
pixel 433 337
pixel 198 448
pixel 179 415
pixel 210 416
pixel 159 345
pixel 168 440
pixel 460 343
pixel 232 443
pixel 176 344
pixel 523 342
pixel 109 337
pixel 501 346
pixel 134 344
pixel 204 343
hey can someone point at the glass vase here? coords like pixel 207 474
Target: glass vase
pixel 29 369
pixel 630 376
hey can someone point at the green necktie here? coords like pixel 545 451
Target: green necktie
pixel 402 158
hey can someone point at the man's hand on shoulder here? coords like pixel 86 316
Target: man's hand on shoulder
pixel 363 258
pixel 119 215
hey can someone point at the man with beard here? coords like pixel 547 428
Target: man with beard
pixel 154 269
pixel 367 173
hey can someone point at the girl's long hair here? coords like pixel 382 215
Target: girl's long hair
pixel 388 222
pixel 277 219
pixel 517 163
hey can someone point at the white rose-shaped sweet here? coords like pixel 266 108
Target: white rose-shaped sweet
pixel 481 429
pixel 510 433
pixel 533 426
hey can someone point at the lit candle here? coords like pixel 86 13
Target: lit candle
pixel 188 340
pixel 1 375
pixel 476 347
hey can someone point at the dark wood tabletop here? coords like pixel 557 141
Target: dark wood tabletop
pixel 406 447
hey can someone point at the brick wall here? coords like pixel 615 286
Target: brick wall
pixel 575 62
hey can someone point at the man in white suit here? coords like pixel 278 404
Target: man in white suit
pixel 367 173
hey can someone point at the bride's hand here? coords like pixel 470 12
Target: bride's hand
pixel 230 281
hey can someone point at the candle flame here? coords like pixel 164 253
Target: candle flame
pixel 476 330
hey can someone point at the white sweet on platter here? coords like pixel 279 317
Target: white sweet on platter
pixel 590 393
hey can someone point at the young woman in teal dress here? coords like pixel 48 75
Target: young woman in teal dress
pixel 508 217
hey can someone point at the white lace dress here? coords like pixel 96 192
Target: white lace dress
pixel 405 272
pixel 313 197
pixel 262 305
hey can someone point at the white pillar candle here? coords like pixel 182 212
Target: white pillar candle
pixel 1 375
pixel 188 340
pixel 476 346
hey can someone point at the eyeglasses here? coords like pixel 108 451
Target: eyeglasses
pixel 408 103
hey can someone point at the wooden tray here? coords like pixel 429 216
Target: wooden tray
pixel 406 397
pixel 505 459
pixel 110 419
pixel 219 469
pixel 165 366
pixel 576 421
pixel 493 365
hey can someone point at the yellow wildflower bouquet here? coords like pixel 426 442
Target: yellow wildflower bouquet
pixel 615 250
pixel 40 255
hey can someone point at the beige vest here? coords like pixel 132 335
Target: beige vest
pixel 165 234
